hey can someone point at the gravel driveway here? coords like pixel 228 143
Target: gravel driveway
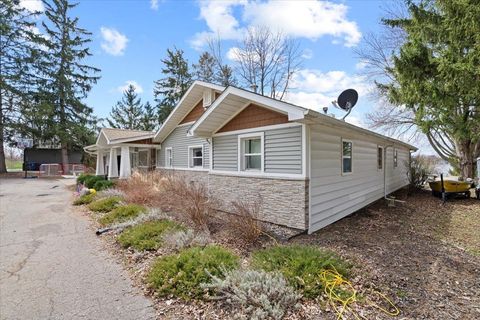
pixel 52 266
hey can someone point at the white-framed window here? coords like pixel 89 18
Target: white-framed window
pixel 195 156
pixel 168 157
pixel 347 156
pixel 251 152
pixel 379 157
pixel 395 158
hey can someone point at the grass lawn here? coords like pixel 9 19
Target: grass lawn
pixel 14 164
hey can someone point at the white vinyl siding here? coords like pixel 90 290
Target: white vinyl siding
pixel 179 142
pixel 282 151
pixel 334 195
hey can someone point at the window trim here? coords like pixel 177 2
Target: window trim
pixel 383 158
pixel 342 157
pixel 190 156
pixel 241 154
pixel 395 158
pixel 167 158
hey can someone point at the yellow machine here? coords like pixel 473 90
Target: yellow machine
pixel 450 186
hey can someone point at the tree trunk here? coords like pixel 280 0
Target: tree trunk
pixel 466 159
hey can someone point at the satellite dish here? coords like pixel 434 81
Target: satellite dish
pixel 346 101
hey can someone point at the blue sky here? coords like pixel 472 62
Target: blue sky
pixel 131 37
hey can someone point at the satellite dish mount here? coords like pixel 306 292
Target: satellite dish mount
pixel 346 101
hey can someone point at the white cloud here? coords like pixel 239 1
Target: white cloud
pixel 360 65
pixel 138 88
pixel 114 42
pixel 154 4
pixel 301 19
pixel 32 5
pixel 315 89
pixel 307 54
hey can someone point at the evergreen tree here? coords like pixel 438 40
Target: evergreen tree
pixel 225 76
pixel 127 114
pixel 68 80
pixel 149 121
pixel 205 69
pixel 436 76
pixel 171 88
pixel 19 49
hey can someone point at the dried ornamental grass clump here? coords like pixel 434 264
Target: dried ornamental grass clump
pixel 243 221
pixel 255 293
pixel 144 188
pixel 192 200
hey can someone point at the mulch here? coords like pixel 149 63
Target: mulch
pixel 415 254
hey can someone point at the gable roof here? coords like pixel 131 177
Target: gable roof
pixel 189 100
pixel 113 135
pixel 226 107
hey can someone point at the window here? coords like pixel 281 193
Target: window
pixel 195 156
pixel 395 158
pixel 380 158
pixel 168 157
pixel 143 158
pixel 346 156
pixel 251 152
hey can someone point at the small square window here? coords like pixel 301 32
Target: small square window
pixel 347 156
pixel 196 156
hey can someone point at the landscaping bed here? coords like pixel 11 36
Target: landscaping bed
pixel 200 264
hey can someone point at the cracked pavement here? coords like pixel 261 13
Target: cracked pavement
pixel 52 266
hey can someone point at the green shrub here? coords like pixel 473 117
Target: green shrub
pixel 81 178
pixel 102 185
pixel 85 199
pixel 148 235
pixel 91 180
pixel 183 274
pixel 122 213
pixel 300 265
pixel 104 205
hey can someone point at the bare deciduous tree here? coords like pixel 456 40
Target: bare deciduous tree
pixel 266 61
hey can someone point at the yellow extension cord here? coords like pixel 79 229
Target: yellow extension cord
pixel 332 280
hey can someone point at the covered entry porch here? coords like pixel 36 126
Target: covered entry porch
pixel 119 152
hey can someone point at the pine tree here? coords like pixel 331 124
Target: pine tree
pixel 127 114
pixel 149 121
pixel 225 76
pixel 19 47
pixel 68 80
pixel 169 90
pixel 205 69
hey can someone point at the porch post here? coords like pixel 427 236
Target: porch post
pixel 113 168
pixel 125 170
pixel 100 166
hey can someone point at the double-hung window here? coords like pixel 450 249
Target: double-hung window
pixel 379 158
pixel 195 155
pixel 168 157
pixel 347 150
pixel 251 152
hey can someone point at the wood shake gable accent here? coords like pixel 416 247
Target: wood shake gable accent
pixel 193 115
pixel 254 116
